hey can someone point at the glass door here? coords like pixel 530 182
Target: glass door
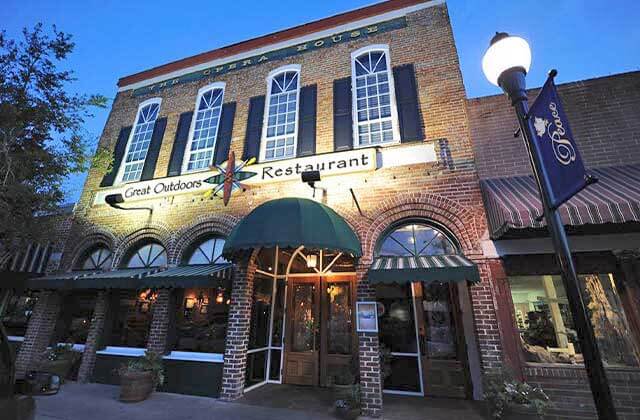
pixel 302 346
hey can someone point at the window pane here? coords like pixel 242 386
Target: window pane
pixel 260 311
pixel 131 319
pixel 74 319
pixel 18 314
pixel 281 121
pixel 201 320
pixel 395 318
pixel 339 327
pixel 304 320
pixel 274 368
pixel 440 324
pixel 544 321
pixel 150 255
pixel 278 314
pixel 139 142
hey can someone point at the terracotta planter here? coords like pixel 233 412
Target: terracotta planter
pixel 347 413
pixel 136 386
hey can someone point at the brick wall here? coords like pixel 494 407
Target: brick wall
pixel 39 331
pixel 604 118
pixel 157 341
pixel 570 394
pixel 96 328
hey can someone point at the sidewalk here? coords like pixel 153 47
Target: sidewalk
pixel 99 402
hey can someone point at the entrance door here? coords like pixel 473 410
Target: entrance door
pixel 442 344
pixel 320 337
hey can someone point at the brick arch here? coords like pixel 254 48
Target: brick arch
pixel 450 214
pixel 201 226
pixel 156 232
pixel 92 238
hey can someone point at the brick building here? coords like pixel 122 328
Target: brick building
pixel 216 252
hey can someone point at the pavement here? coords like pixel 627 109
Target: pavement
pixel 100 402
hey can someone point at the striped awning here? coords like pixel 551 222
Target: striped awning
pixel 191 276
pixel 442 268
pixel 59 280
pixel 513 204
pixel 127 278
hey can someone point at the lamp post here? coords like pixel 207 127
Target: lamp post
pixel 505 64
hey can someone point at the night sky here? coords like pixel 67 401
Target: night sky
pixel 582 39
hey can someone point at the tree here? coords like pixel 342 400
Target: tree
pixel 41 135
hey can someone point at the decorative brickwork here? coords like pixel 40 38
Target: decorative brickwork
pixel 74 251
pixel 158 233
pixel 41 326
pixel 237 342
pixel 93 336
pixel 157 341
pixel 368 354
pixel 202 226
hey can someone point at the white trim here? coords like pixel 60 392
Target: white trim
pixel 284 44
pixel 369 303
pixel 195 356
pixel 75 347
pixel 415 322
pixel 202 91
pixel 120 174
pixel 409 393
pixel 254 386
pixel 15 338
pixel 122 351
pixel 265 115
pixel 258 350
pixel 395 127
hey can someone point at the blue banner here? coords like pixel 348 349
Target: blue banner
pixel 559 152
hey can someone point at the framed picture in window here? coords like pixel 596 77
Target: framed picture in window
pixel 367 316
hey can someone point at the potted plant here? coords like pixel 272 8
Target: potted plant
pixel 508 398
pixel 347 409
pixel 58 360
pixel 139 377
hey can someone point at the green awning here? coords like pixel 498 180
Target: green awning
pixel 191 276
pixel 442 268
pixel 60 280
pixel 127 278
pixel 291 222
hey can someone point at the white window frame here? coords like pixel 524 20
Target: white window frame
pixel 263 140
pixel 187 150
pixel 123 163
pixel 384 48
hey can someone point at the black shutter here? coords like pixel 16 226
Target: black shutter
pixel 154 149
pixel 179 144
pixel 118 154
pixel 407 101
pixel 254 128
pixel 223 142
pixel 342 115
pixel 307 121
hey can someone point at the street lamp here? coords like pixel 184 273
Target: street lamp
pixel 506 64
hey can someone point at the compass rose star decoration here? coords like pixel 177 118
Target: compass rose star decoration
pixel 228 180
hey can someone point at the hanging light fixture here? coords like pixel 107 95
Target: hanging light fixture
pixel 312 260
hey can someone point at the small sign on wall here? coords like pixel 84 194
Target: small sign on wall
pixel 367 316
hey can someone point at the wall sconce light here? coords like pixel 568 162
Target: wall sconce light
pixel 114 200
pixel 219 297
pixel 312 260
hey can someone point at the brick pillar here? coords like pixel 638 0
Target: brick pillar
pixel 236 346
pixel 95 332
pixel 157 341
pixel 39 331
pixel 369 354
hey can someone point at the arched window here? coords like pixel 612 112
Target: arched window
pixel 204 129
pixel 281 119
pixel 416 239
pixel 208 251
pixel 149 255
pixel 139 140
pixel 374 114
pixel 98 258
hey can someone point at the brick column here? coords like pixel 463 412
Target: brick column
pixel 157 341
pixel 237 342
pixel 39 331
pixel 96 329
pixel 368 354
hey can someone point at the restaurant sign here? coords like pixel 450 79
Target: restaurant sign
pixel 301 48
pixel 329 164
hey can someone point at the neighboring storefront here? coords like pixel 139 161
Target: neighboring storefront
pixel 603 222
pixel 223 251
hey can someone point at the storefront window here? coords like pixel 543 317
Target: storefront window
pixel 440 329
pixel 547 331
pixel 415 239
pixel 18 313
pixel 256 371
pixel 201 321
pixel 75 318
pixel 131 317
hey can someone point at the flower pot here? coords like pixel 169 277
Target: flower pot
pixel 347 413
pixel 136 386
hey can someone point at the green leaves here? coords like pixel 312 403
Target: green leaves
pixel 41 135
